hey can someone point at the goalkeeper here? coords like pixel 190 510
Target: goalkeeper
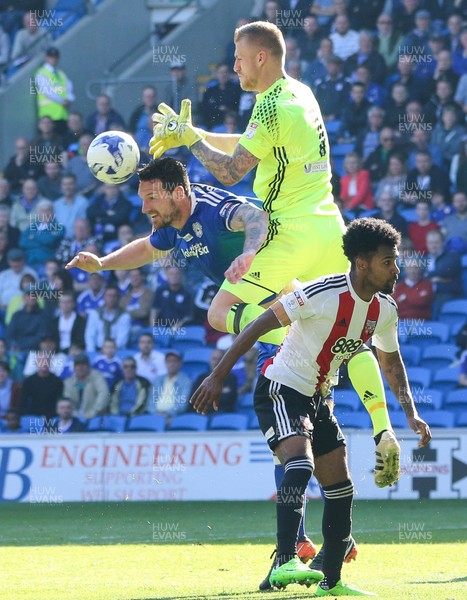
pixel 287 142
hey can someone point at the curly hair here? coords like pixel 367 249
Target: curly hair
pixel 169 171
pixel 364 236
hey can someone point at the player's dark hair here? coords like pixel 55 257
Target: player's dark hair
pixel 364 236
pixel 170 172
pixel 264 35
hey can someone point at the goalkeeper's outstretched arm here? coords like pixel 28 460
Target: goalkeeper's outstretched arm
pixel 225 142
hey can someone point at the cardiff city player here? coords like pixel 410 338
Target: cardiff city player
pixel 330 319
pixel 286 140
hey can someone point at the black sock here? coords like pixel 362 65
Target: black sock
pixel 337 524
pixel 289 505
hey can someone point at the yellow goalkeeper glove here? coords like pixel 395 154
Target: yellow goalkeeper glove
pixel 172 130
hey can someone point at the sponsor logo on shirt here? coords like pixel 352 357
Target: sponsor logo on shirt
pixel 196 250
pixel 299 298
pixel 315 167
pixel 251 130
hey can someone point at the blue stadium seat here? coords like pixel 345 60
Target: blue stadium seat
pixel 198 355
pixel 446 380
pixel 122 354
pixel 356 420
pixel 457 399
pixel 409 214
pixel 342 149
pixel 438 356
pixel 246 400
pixel 399 421
pixel 411 355
pixel 146 423
pixel 392 402
pixel 253 422
pixel 189 422
pixel 347 400
pixel 114 423
pixel 33 424
pixel 195 368
pixel 419 377
pixel 464 273
pixel 183 345
pixel 195 333
pixel 462 420
pixel 440 418
pixel 454 311
pixel 229 421
pixel 424 333
pixel 428 398
pixel 332 129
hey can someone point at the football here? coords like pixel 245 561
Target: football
pixel 113 157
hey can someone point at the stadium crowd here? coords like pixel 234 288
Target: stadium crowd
pixel 392 84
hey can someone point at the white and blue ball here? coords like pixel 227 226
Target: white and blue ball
pixel 113 157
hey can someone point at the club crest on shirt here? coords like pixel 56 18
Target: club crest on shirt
pixel 198 230
pixel 370 327
pixel 251 130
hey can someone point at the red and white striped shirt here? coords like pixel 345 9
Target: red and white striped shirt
pixel 329 324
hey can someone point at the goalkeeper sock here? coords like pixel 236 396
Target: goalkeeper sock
pixel 240 315
pixel 366 378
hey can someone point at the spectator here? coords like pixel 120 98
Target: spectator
pixel 396 105
pixel 463 370
pixel 172 306
pixel 80 238
pixel 404 15
pixel 458 171
pixel 333 92
pixel 219 98
pixel 439 208
pixel 10 391
pixel 41 240
pixel 377 162
pixel 419 138
pixel 396 176
pixel 54 91
pixel 49 183
pixel 68 327
pixel 108 322
pixel 418 229
pixel 68 364
pixel 180 87
pixel 41 391
pixel 12 422
pixel 454 28
pixel 356 190
pixel 24 209
pixel 66 422
pixel 375 93
pixel 171 391
pixel 364 16
pixel 416 42
pixel 109 365
pixel 5 196
pixel 442 68
pixel 368 140
pixel 230 124
pixel 12 233
pixel 20 167
pixel 316 70
pixel 459 57
pixel 367 56
pixel 416 88
pixel 388 40
pixel 414 294
pixel 150 363
pixel 444 269
pixel 4 52
pixel 423 179
pixel 138 300
pixel 448 134
pixel 92 298
pixel 387 211
pixel 229 55
pixel 131 394
pixel 324 10
pixel 47 349
pixel 87 389
pixel 104 118
pixel 455 225
pixel 10 279
pixel 461 93
pixel 229 394
pixel 29 41
pixel 309 38
pixel 444 96
pixel 86 183
pixel 27 326
pixel 354 114
pixel 108 211
pixel 124 236
pixel 75 129
pixel 28 283
pixel 3 251
pixel 70 206
pixel 47 145
pixel 140 121
pixel 345 40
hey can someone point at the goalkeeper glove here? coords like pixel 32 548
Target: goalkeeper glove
pixel 172 130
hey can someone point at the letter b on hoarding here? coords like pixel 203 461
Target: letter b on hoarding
pixel 14 483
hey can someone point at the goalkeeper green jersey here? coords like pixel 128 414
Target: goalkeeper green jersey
pixel 286 132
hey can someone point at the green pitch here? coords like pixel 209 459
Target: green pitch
pixel 219 550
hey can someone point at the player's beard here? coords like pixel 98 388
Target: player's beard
pixel 168 220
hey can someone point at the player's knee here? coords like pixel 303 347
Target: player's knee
pixel 217 318
pixel 298 470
